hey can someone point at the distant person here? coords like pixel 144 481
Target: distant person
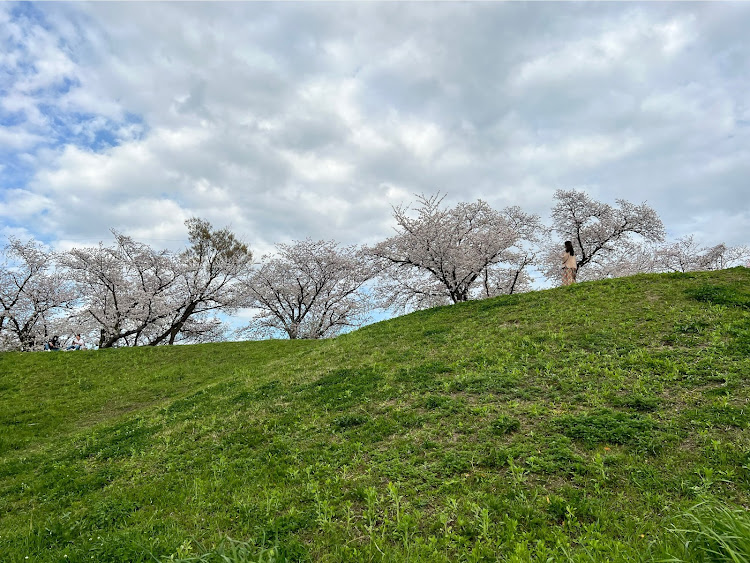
pixel 77 343
pixel 53 344
pixel 569 267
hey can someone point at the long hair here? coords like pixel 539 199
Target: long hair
pixel 569 248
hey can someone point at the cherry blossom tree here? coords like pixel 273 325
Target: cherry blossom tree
pixel 509 280
pixel 206 282
pixel 309 289
pixel 138 296
pixel 514 276
pixel 630 258
pixel 124 288
pixel 599 232
pixel 33 294
pixel 441 255
pixel 686 255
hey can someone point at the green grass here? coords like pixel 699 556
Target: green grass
pixel 577 424
pixel 709 533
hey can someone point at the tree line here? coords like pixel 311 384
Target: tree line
pixel 130 294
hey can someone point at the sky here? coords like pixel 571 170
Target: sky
pixel 290 120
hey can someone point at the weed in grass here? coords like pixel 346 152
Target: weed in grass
pixel 227 551
pixel 601 471
pixel 637 402
pixel 518 473
pixel 505 425
pixel 718 416
pixel 605 427
pixel 455 463
pixel 707 532
pixel 349 420
pixel 442 402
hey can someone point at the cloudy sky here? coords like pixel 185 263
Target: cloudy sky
pixel 288 120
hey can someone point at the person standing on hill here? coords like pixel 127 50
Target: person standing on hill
pixel 569 267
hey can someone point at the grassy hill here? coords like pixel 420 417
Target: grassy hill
pixel 581 423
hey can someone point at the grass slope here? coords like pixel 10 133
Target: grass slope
pixel 576 423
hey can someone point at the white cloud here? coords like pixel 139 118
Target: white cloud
pixel 18 138
pixel 422 139
pixel 16 232
pixel 579 152
pixel 310 167
pixel 23 204
pixel 626 45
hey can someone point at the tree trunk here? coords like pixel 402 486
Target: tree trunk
pixel 176 327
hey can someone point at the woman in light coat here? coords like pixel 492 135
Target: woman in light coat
pixel 569 267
